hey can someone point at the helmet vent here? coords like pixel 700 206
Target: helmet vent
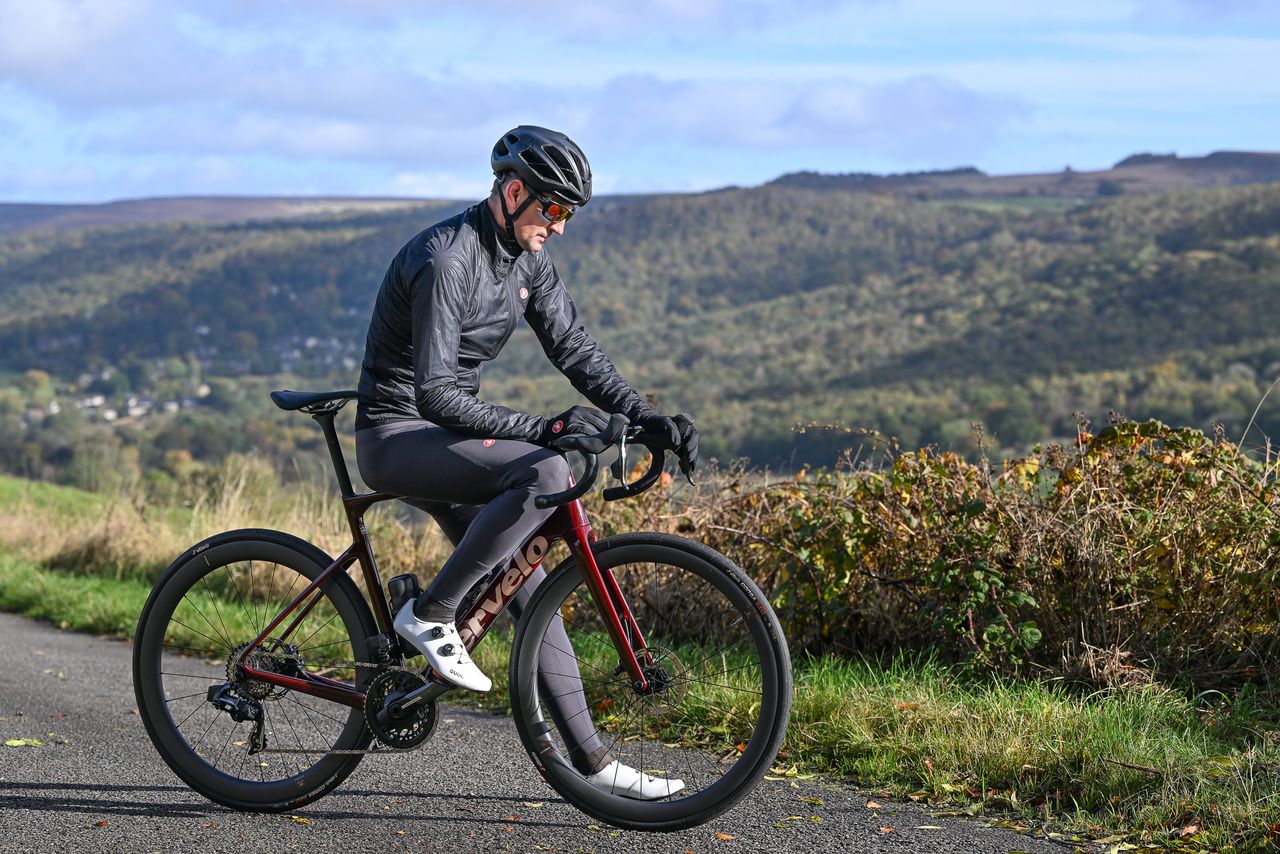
pixel 548 161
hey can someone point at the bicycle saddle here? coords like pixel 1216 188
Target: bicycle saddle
pixel 291 401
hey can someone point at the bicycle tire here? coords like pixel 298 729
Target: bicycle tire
pixel 207 605
pixel 666 580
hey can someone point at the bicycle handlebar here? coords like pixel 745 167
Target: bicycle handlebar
pixel 613 493
pixel 577 490
pixel 648 479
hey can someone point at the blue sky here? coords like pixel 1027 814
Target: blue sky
pixel 134 98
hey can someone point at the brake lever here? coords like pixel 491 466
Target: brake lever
pixel 619 466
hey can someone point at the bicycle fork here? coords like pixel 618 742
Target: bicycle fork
pixel 614 610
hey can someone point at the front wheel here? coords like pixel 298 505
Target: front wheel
pixel 716 711
pixel 204 610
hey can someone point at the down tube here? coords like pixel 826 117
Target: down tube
pixel 504 585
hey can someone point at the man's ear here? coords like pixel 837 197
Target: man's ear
pixel 515 192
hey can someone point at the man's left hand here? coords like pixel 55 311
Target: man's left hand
pixel 675 433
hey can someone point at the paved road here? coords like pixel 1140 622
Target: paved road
pixel 98 785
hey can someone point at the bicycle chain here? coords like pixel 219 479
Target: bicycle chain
pixel 336 662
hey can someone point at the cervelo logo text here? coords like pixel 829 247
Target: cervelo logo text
pixel 522 566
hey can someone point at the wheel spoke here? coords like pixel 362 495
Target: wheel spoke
pixel 210 611
pixel 706 656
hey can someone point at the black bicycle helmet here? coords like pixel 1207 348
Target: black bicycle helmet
pixel 548 161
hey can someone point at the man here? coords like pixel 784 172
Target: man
pixel 449 301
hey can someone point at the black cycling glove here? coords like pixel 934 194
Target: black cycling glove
pixel 674 433
pixel 592 443
pixel 574 421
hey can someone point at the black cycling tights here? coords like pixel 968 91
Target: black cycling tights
pixel 480 492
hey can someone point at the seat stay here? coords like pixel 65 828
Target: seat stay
pixel 319 686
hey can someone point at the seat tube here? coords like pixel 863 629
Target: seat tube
pixel 325 420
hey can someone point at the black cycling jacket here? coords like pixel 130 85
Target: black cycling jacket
pixel 449 301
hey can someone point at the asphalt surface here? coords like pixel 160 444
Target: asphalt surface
pixel 97 784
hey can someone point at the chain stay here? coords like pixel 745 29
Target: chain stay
pixel 336 662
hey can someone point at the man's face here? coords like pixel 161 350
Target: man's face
pixel 531 227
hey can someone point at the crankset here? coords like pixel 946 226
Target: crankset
pixel 397 727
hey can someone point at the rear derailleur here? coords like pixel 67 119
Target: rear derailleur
pixel 241 709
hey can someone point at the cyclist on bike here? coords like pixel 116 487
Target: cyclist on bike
pixel 450 299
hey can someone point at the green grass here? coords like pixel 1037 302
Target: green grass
pixel 79 603
pixel 1137 762
pixel 60 502
pixel 71 505
pixel 1143 760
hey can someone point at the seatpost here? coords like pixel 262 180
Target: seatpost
pixel 325 420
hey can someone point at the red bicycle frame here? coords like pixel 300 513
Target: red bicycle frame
pixel 568 522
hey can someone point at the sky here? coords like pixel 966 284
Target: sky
pixel 112 99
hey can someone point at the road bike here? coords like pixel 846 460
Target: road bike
pixel 265 669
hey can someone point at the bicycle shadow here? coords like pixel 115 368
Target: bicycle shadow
pixel 60 799
pixel 40 796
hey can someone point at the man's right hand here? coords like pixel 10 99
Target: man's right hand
pixel 574 421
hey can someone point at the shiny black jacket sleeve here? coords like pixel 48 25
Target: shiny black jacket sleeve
pixel 440 301
pixel 554 319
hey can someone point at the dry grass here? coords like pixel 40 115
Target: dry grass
pixel 125 537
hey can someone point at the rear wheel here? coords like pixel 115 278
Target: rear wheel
pixel 206 607
pixel 720 675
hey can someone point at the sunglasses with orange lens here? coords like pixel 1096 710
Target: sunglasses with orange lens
pixel 554 212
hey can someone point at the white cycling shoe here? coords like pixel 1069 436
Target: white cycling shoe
pixel 618 779
pixel 443 649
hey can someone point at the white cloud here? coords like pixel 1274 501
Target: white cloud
pixel 53 34
pixel 70 181
pixel 905 119
pixel 677 93
pixel 434 185
pixel 514 24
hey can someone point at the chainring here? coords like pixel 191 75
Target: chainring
pixel 415 727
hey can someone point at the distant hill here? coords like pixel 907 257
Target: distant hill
pixel 18 217
pixel 1138 173
pixel 756 309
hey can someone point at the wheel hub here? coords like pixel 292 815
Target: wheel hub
pixel 271 656
pixel 663 675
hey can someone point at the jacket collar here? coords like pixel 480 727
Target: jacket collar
pixel 501 251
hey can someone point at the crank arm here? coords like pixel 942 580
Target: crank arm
pixel 417 697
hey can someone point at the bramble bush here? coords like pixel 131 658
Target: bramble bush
pixel 1145 550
